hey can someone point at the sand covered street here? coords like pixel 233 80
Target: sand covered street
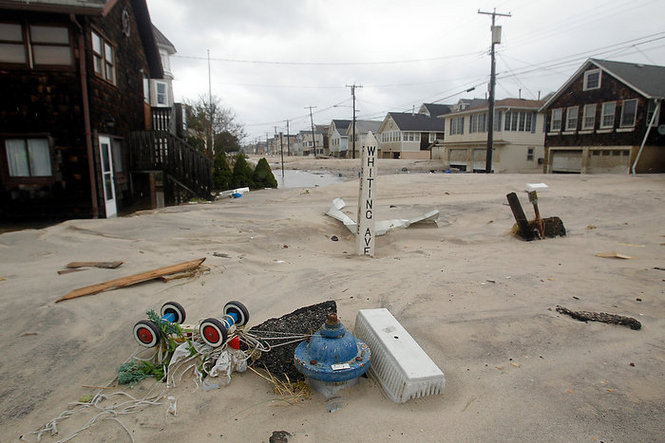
pixel 479 301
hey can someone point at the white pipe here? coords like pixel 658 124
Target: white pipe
pixel 653 117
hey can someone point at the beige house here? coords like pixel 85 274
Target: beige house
pixel 518 137
pixel 365 130
pixel 408 136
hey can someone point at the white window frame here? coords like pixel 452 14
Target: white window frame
pixel 572 113
pixel 651 108
pixel 604 114
pixel 103 55
pixel 589 114
pixel 559 120
pixel 589 73
pixel 623 114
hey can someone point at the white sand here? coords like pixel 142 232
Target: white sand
pixel 479 301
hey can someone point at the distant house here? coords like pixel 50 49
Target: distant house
pixel 607 118
pixel 76 127
pixel 435 109
pixel 517 141
pixel 323 148
pixel 408 136
pixel 305 144
pixel 337 137
pixel 364 129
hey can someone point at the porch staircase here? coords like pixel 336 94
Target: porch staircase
pixel 187 173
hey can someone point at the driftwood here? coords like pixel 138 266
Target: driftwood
pixel 94 264
pixel 602 317
pixel 132 279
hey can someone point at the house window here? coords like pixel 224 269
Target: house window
pixel 529 154
pixel 497 120
pixel 628 113
pixel 116 147
pixel 589 116
pixel 457 125
pixel 650 110
pixel 28 157
pixel 103 58
pixel 592 79
pixel 161 93
pixel 478 123
pixel 607 115
pixel 571 118
pixel 48 45
pixel 555 123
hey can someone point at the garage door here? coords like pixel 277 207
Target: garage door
pixel 567 161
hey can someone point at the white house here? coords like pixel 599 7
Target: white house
pixel 363 128
pixel 408 136
pixel 337 137
pixel 518 142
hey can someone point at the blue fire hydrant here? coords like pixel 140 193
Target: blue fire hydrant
pixel 332 355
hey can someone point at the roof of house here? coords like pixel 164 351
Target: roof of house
pixel 71 6
pixel 341 125
pixel 364 126
pixel 436 109
pixel 407 121
pixel 162 41
pixel 505 103
pixel 648 80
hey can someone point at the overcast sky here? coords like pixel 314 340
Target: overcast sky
pixel 271 59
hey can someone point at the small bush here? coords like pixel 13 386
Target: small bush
pixel 263 176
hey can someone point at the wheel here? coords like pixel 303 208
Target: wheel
pixel 147 333
pixel 171 307
pixel 213 332
pixel 239 309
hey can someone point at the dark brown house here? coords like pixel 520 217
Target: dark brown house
pixel 76 125
pixel 607 119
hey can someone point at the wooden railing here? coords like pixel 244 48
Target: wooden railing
pixel 163 151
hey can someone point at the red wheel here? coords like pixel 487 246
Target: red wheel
pixel 147 333
pixel 174 308
pixel 239 310
pixel 213 332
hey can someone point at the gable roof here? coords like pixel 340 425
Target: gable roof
pixel 505 103
pixel 162 41
pixel 365 126
pixel 435 109
pixel 647 80
pixel 341 125
pixel 406 121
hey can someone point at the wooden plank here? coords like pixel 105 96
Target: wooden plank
pixel 520 218
pixel 613 255
pixel 185 274
pixel 94 264
pixel 132 279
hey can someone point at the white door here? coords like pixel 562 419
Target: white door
pixel 107 176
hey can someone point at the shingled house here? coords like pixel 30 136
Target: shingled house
pixel 76 135
pixel 607 118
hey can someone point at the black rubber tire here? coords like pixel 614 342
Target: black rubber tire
pixel 171 307
pixel 147 333
pixel 213 332
pixel 239 309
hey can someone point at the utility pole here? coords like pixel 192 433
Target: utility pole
pixel 281 150
pixel 212 135
pixel 311 119
pixel 353 122
pixel 496 38
pixel 267 135
pixel 288 140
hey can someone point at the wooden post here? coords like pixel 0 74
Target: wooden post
pixel 520 218
pixel 365 227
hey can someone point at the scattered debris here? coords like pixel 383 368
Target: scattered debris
pixel 221 254
pixel 69 271
pixel 613 255
pixel 383 226
pixel 306 320
pixel 539 227
pixel 590 227
pixel 334 238
pixel 3 278
pixel 601 317
pixel 658 268
pixel 279 437
pixel 185 274
pixel 132 279
pixel 26 334
pixel 94 264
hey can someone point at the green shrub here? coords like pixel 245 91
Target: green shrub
pixel 242 173
pixel 221 174
pixel 263 176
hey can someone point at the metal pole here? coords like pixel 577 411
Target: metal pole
pixel 288 140
pixel 212 136
pixel 353 121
